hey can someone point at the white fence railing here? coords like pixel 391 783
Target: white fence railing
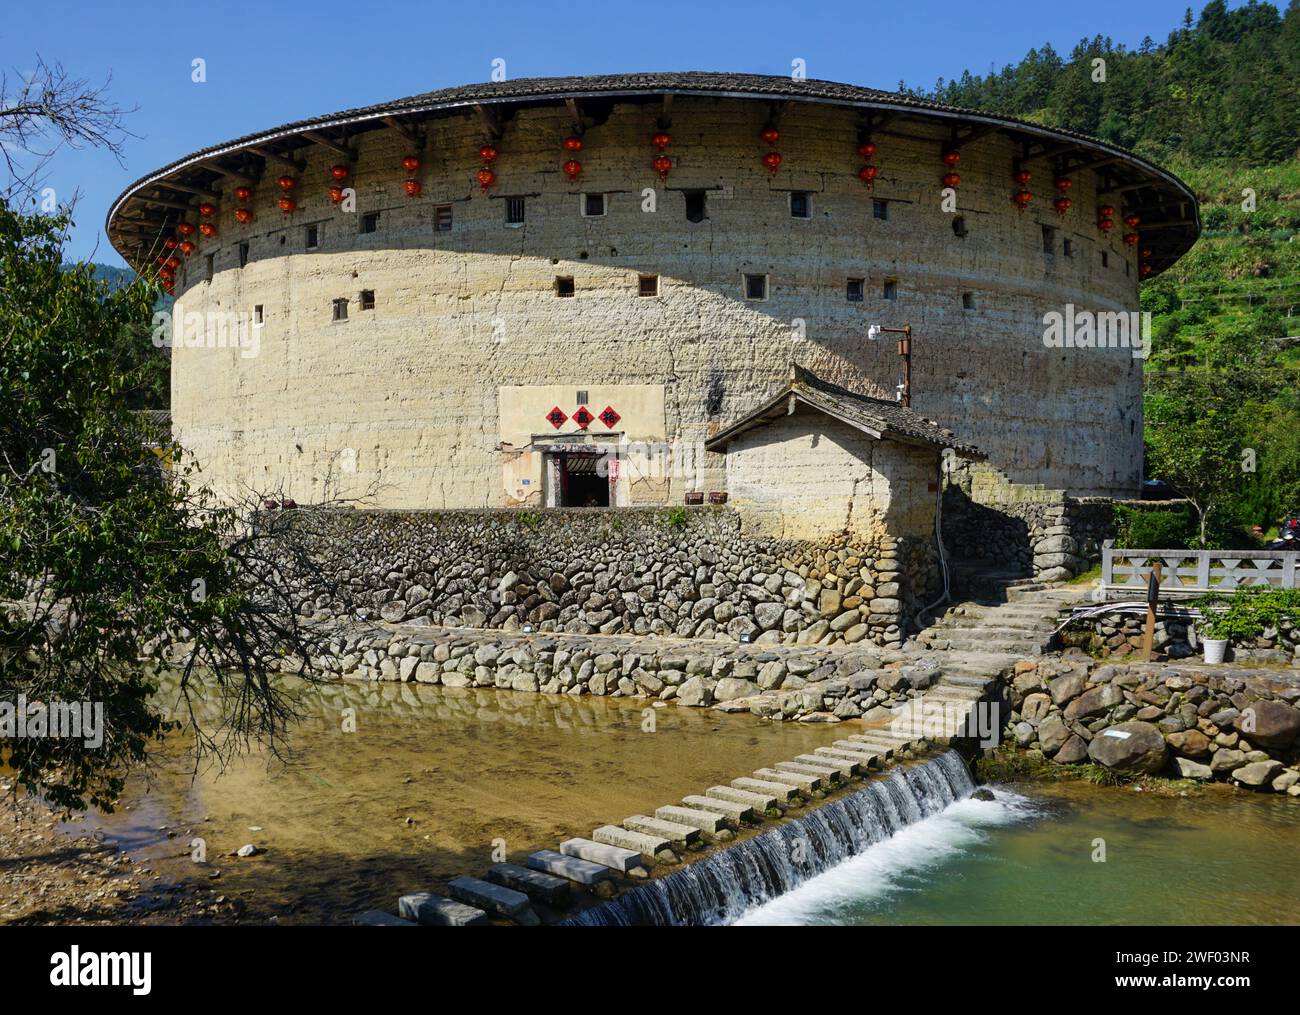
pixel 1194 572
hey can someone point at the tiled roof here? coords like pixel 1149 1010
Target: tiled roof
pixel 876 416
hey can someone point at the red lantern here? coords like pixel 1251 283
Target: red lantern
pixel 207 210
pixel 339 172
pixel 243 215
pixel 185 229
pixel 572 169
pixel 1146 252
pixel 1132 221
pixel 486 178
pixel 243 193
pixel 868 174
pixel 771 135
pixel 951 158
pixel 1106 211
pixel 1023 177
pixel 867 149
pixel 412 188
pixel 187 247
pixel 661 140
pixel 287 183
pixel 951 180
pixel 1131 239
pixel 173 263
pixel 336 194
pixel 169 243
pixel 663 164
pixel 169 287
pixel 287 204
pixel 488 153
pixel 573 143
pixel 207 229
pixel 1064 183
pixel 1022 199
pixel 773 161
pixel 411 164
pixel 1146 270
pixel 1105 225
pixel 166 273
pixel 1062 205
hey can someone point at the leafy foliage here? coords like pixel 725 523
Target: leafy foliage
pixel 1247 612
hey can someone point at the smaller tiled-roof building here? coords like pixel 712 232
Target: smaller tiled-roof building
pixel 817 461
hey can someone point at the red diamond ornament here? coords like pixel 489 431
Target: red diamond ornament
pixel 583 417
pixel 609 417
pixel 556 417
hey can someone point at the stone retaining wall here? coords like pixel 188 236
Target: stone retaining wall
pixel 1190 721
pixel 686 573
pixel 1120 635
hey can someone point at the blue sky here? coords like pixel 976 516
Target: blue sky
pixel 270 63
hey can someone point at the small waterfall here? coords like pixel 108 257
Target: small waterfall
pixel 718 889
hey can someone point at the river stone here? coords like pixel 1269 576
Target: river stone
pixel 1143 750
pixel 729 688
pixel 1052 734
pixel 1036 707
pixel 1257 773
pixel 1191 744
pixel 1269 723
pixel 1072 751
pixel 1286 780
pixel 1066 687
pixel 695 691
pixel 1226 759
pixel 1189 769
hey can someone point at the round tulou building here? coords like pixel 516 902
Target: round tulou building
pixel 602 290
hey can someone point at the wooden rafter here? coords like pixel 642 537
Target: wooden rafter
pixel 342 150
pixel 415 137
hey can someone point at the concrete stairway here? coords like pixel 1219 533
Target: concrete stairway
pixel 1019 624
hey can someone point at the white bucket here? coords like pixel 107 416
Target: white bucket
pixel 1214 649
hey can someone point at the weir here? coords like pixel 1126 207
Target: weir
pixel 719 888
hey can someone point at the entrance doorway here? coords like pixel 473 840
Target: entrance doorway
pixel 578 480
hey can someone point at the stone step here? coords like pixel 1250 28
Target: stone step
pixel 649 846
pixel 710 823
pixel 1028 648
pixel 859 760
pixel 826 773
pixel 679 835
pixel 733 810
pixel 584 872
pixel 378 918
pixel 840 766
pixel 783 792
pixel 761 802
pixel 881 750
pixel 614 857
pixel 494 899
pixel 429 910
pixel 537 886
pixel 801 780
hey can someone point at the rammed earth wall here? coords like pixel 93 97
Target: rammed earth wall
pixel 684 572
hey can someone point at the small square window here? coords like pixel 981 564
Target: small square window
pixel 563 285
pixel 696 209
pixel 800 204
pixel 243 255
pixel 313 236
pixel 209 263
pixel 442 218
pixel 968 301
pixel 514 211
pixel 959 227
pixel 593 205
pixel 1049 239
pixel 370 222
pixel 1067 248
pixel 853 292
pixel 648 285
pixel 1105 259
pixel 879 209
pixel 258 316
pixel 890 291
pixel 755 287
pixel 341 310
pixel 367 299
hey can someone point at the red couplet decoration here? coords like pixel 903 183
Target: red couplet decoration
pixel 1023 177
pixel 207 229
pixel 1022 199
pixel 868 174
pixel 1062 205
pixel 287 204
pixel 867 149
pixel 486 178
pixel 412 188
pixel 573 143
pixel 771 135
pixel 951 158
pixel 287 183
pixel 411 164
pixel 243 215
pixel 661 139
pixel 207 210
pixel 185 229
pixel 243 193
pixel 572 169
pixel 773 161
pixel 663 164
pixel 339 172
pixel 1131 239
pixel 951 180
pixel 488 153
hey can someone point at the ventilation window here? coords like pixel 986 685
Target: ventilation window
pixel 243 255
pixel 257 314
pixel 800 204
pixel 563 285
pixel 581 397
pixel 209 262
pixel 593 205
pixel 1049 239
pixel 879 209
pixel 890 291
pixel 959 226
pixel 1105 259
pixel 1067 248
pixel 514 211
pixel 853 292
pixel 370 222
pixel 696 210
pixel 648 285
pixel 442 218
pixel 367 299
pixel 755 287
pixel 968 301
pixel 340 310
pixel 313 236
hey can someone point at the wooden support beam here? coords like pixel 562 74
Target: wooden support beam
pixel 491 122
pixel 162 202
pixel 1127 187
pixel 575 116
pixel 412 135
pixel 1181 223
pixel 338 149
pixel 238 177
pixel 185 188
pixel 283 160
pixel 665 118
